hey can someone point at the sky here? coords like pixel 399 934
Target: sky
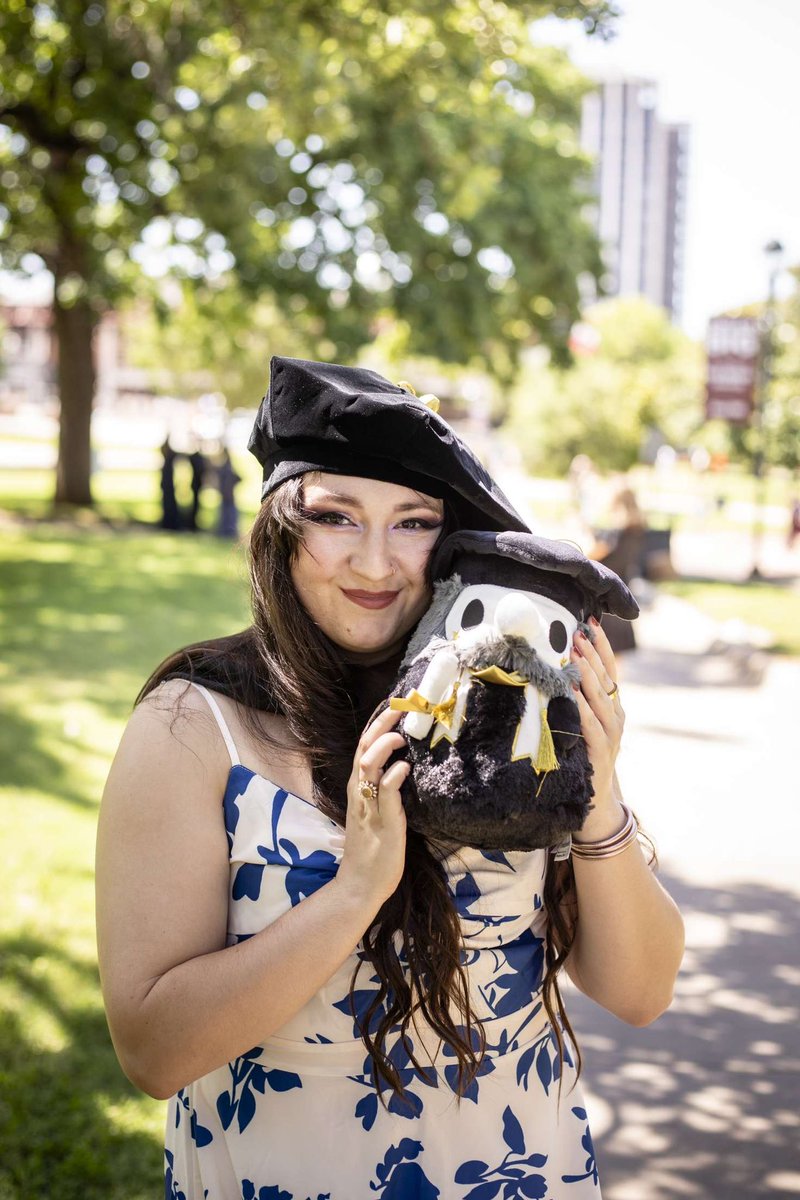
pixel 729 69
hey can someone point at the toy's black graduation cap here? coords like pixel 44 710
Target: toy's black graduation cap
pixel 520 560
pixel 351 421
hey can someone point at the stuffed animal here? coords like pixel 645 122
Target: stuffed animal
pixel 491 725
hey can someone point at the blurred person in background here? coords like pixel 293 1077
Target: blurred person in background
pixel 170 513
pixel 584 482
pixel 227 479
pixel 199 466
pixel 794 523
pixel 621 548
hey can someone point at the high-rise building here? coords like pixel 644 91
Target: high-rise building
pixel 640 187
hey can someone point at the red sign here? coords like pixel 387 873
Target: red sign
pixel 732 349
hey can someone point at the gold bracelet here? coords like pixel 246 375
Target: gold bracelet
pixel 610 846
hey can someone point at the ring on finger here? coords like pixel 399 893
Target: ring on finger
pixel 367 789
pixel 613 692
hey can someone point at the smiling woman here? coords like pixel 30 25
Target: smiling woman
pixel 280 955
pixel 365 550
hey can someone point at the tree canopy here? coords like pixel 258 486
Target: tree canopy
pixel 636 379
pixel 782 403
pixel 341 160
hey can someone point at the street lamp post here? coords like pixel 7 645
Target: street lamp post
pixel 774 252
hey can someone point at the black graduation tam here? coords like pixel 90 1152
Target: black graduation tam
pixel 520 560
pixel 351 421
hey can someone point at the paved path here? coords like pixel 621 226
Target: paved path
pixel 705 1104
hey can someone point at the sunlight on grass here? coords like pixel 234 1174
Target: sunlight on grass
pixel 123 495
pixel 85 616
pixel 20 990
pixel 129 1116
pixel 765 605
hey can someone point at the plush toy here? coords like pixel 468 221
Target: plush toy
pixel 491 724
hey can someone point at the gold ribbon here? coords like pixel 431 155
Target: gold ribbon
pixel 415 702
pixel 429 400
pixel 495 674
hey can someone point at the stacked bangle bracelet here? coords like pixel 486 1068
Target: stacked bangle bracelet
pixel 609 846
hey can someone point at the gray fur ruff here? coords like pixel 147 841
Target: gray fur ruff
pixel 509 653
pixel 514 654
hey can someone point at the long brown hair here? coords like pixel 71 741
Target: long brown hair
pixel 283 663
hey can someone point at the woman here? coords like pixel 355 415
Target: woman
pixel 227 479
pixel 267 924
pixel 621 549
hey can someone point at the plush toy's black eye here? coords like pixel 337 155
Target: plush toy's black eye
pixel 472 615
pixel 558 636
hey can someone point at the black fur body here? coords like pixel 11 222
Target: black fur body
pixel 470 790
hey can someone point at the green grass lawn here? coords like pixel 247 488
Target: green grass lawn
pixel 773 607
pixel 85 616
pixel 121 496
pixel 714 501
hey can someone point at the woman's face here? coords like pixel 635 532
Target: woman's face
pixel 360 569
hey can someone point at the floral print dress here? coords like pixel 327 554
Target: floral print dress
pixel 297 1117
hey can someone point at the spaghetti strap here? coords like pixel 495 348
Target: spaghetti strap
pixel 223 727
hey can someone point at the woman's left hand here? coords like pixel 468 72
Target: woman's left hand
pixel 602 717
pixel 628 934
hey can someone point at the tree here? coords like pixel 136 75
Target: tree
pixel 635 377
pixel 337 160
pixel 781 417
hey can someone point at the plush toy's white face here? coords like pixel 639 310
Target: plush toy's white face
pixel 484 610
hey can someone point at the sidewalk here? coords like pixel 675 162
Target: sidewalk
pixel 705 1103
pixel 704 752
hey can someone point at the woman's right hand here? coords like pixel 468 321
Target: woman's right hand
pixel 375 830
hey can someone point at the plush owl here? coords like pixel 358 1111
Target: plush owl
pixel 491 724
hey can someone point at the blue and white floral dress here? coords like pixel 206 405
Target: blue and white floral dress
pixel 297 1117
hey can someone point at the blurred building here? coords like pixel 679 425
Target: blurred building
pixel 640 187
pixel 28 361
pixel 27 355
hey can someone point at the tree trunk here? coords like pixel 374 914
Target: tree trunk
pixel 74 327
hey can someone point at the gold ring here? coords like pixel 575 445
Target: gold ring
pixel 368 790
pixel 614 691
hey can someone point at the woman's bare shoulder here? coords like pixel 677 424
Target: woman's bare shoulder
pixel 173 696
pixel 173 722
pixel 181 714
pixel 266 744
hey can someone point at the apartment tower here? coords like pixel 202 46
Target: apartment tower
pixel 640 187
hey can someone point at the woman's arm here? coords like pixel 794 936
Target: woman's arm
pixel 178 1002
pixel 629 936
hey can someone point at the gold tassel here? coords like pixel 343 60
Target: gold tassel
pixel 546 755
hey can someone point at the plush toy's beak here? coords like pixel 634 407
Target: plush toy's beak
pixel 518 616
